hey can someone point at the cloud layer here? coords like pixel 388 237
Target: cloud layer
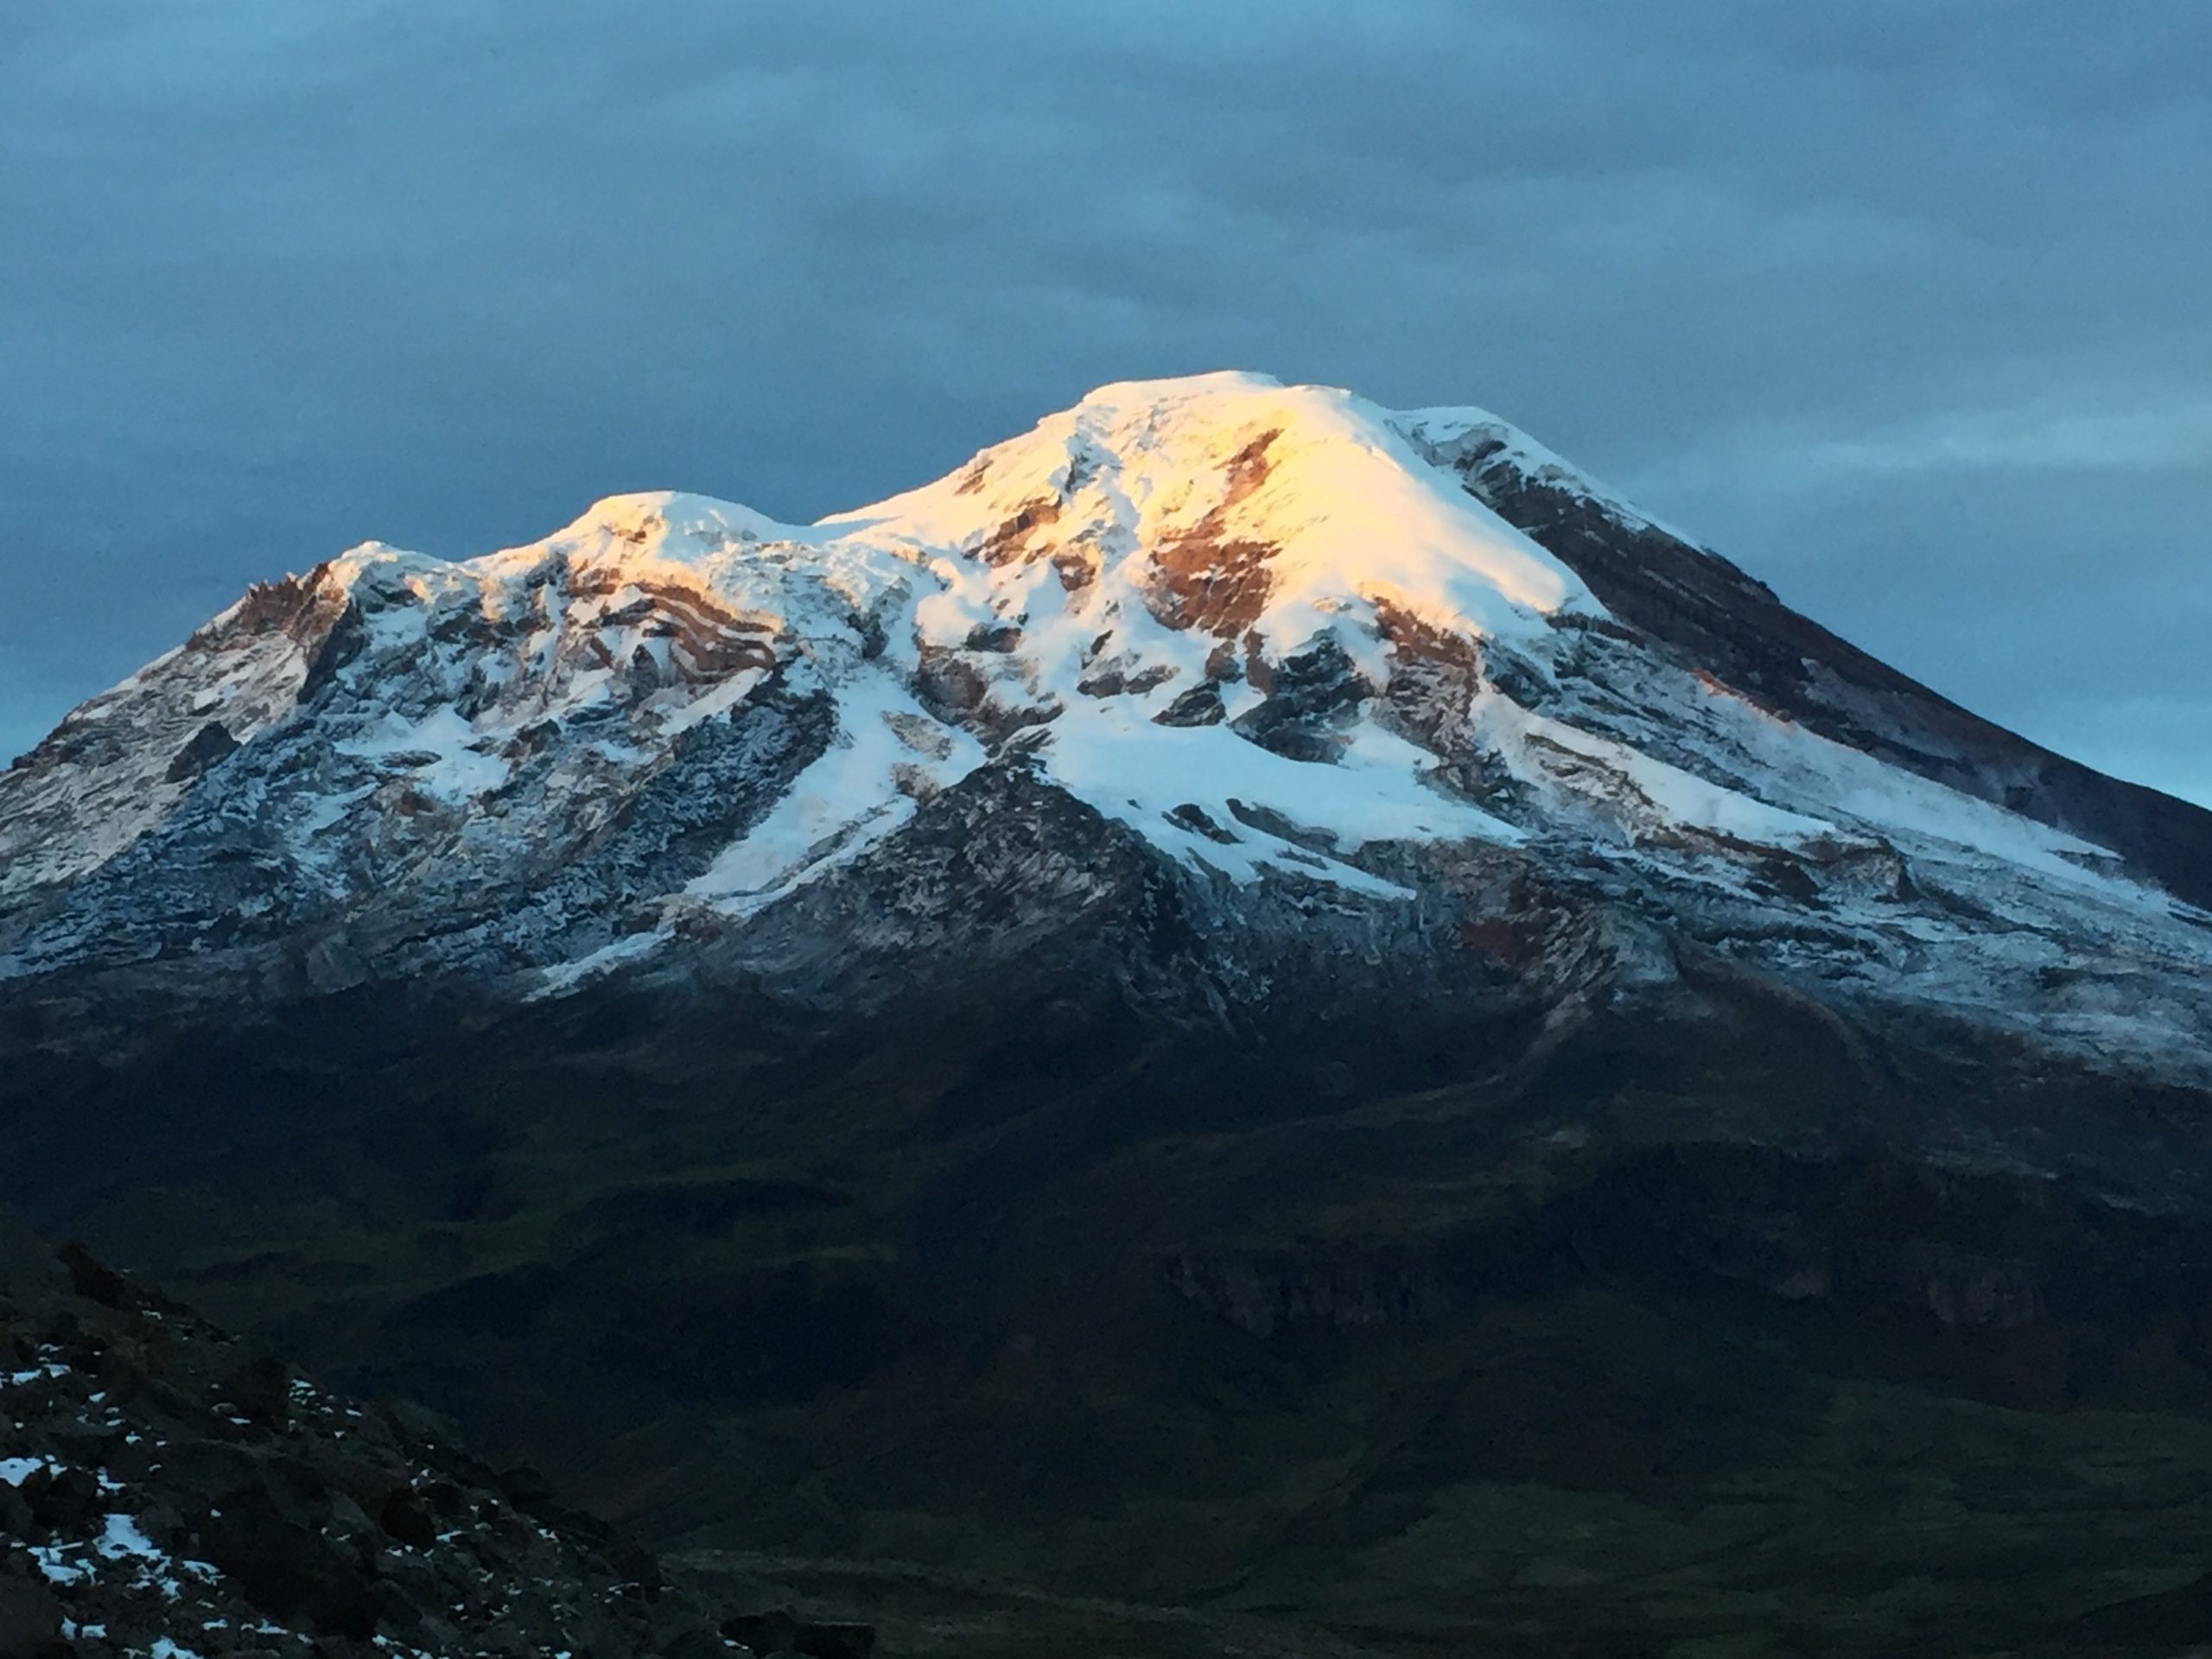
pixel 1898 306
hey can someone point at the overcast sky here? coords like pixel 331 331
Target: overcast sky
pixel 1903 307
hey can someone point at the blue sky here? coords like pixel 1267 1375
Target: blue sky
pixel 1899 307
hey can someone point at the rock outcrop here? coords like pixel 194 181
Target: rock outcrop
pixel 169 1489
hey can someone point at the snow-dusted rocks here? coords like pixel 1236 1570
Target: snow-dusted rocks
pixel 170 1489
pixel 1284 655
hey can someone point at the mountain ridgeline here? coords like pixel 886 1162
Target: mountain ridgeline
pixel 1252 1001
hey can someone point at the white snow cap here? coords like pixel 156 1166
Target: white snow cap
pixel 1346 507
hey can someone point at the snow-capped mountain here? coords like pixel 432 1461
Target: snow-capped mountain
pixel 1315 680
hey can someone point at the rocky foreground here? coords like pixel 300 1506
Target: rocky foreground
pixel 171 1490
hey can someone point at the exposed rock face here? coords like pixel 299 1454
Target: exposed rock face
pixel 168 1488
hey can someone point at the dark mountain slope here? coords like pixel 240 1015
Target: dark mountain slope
pixel 1046 1289
pixel 1717 619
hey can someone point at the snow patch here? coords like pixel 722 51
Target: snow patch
pixel 1147 776
pixel 863 786
pixel 440 750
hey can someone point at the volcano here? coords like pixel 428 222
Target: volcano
pixel 1210 1007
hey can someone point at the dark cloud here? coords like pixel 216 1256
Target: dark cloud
pixel 1898 305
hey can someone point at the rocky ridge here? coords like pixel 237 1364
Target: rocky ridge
pixel 169 1489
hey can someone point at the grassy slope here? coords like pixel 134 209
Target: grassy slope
pixel 908 1307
